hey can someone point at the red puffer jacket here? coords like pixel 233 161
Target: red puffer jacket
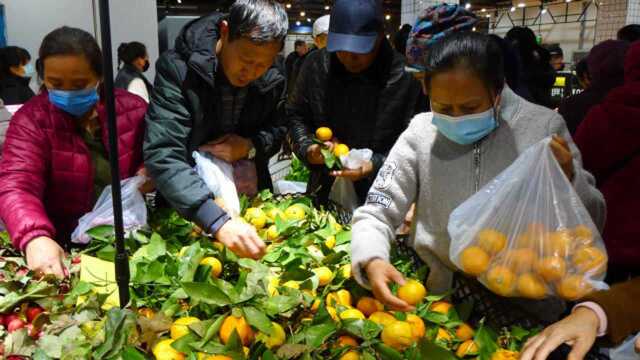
pixel 609 139
pixel 46 175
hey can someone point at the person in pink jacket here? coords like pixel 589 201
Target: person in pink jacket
pixel 55 159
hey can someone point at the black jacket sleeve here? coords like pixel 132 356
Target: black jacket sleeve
pixel 269 138
pixel 299 112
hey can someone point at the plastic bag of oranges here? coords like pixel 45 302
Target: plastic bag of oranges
pixel 527 233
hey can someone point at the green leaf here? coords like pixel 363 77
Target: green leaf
pixel 435 318
pixel 35 291
pixel 258 320
pixel 183 344
pixel 115 334
pixel 206 293
pixel 329 158
pixel 318 334
pixel 213 330
pixel 279 304
pixel 519 333
pixel 107 253
pixel 389 353
pixel 153 250
pixel 487 342
pixel 343 237
pixel 429 350
pixel 50 346
pixel 364 329
pixel 81 288
pixel 101 233
pixel 131 353
pixel 41 354
pixel 189 262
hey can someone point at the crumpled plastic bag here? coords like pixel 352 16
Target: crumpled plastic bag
pixel 626 350
pixel 218 176
pixel 343 192
pixel 283 187
pixel 134 210
pixel 527 233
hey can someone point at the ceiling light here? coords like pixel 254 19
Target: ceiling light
pixel 308 20
pixel 474 28
pixel 568 1
pixel 468 6
pixel 288 6
pixel 513 8
pixel 179 1
pixel 303 14
pixel 484 10
pixel 298 23
pixel 488 15
pixel 388 17
pixel 327 7
pixel 521 5
pixel 544 11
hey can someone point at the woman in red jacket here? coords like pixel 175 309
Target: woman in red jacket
pixel 55 160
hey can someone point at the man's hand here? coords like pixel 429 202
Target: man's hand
pixel 579 330
pixel 380 273
pixel 229 148
pixel 149 185
pixel 242 239
pixel 44 255
pixel 355 174
pixel 561 151
pixel 314 153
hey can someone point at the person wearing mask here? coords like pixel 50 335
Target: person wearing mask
pixel 358 87
pixel 616 166
pixel 133 61
pixel 299 50
pixel 218 92
pixel 439 166
pixel 400 39
pixel 320 34
pixel 16 71
pixel 606 70
pixel 610 315
pixel 536 71
pixel 629 33
pixel 55 159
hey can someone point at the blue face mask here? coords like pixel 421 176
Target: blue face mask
pixel 75 102
pixel 29 70
pixel 467 129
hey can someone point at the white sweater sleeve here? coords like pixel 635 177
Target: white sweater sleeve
pixel 390 197
pixel 137 86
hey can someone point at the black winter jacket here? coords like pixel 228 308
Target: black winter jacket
pixel 15 90
pixel 127 74
pixel 183 115
pixel 367 110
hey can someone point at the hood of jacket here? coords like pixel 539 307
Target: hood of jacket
pixel 197 46
pixel 606 64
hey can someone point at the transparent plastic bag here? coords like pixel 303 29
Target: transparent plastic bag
pixel 343 192
pixel 218 176
pixel 282 187
pixel 134 210
pixel 527 233
pixel 626 351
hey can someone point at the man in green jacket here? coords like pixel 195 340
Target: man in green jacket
pixel 218 92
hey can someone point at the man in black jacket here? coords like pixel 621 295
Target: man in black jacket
pixel 218 92
pixel 358 87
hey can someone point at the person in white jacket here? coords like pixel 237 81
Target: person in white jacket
pixel 477 128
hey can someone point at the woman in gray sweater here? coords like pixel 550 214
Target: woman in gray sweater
pixel 478 127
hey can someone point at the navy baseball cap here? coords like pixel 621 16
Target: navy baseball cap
pixel 355 25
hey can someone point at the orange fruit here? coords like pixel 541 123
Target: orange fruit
pixel 164 351
pixel 351 355
pixel 368 306
pixel 443 335
pixel 558 243
pixel 214 264
pixel 342 297
pixel 352 314
pixel 501 280
pixel 347 341
pixel 531 286
pixel 532 236
pixel 492 241
pixel 520 260
pixel 240 325
pixel 397 335
pixel 146 312
pixel 180 327
pixel 324 134
pixel 465 332
pixel 382 318
pixel 583 234
pixel 551 268
pixel 590 260
pixel 574 287
pixel 467 348
pixel 474 260
pixel 341 150
pixel 503 354
pixel 417 326
pixel 441 307
pixel 412 292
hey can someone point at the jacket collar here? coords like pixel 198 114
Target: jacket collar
pixel 510 105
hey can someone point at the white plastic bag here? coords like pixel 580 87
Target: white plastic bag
pixel 282 187
pixel 626 351
pixel 343 192
pixel 218 175
pixel 527 233
pixel 134 210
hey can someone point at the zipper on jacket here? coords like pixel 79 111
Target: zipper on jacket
pixel 476 161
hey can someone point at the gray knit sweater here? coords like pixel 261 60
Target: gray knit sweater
pixel 438 174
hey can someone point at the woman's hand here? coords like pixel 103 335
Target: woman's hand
pixel 380 273
pixel 314 153
pixel 561 151
pixel 579 330
pixel 355 174
pixel 44 255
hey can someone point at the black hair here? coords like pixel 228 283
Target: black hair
pixel 71 41
pixel 12 56
pixel 629 33
pixel 260 21
pixel 472 51
pixel 582 69
pixel 524 41
pixel 129 52
pixel 300 43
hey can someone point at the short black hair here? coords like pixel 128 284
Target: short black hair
pixel 582 69
pixel 129 52
pixel 629 33
pixel 472 51
pixel 12 56
pixel 261 21
pixel 300 43
pixel 71 41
